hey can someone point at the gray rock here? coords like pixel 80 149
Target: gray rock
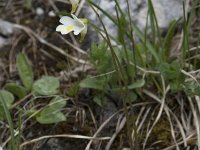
pixel 6 28
pixel 166 11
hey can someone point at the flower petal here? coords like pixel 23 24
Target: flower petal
pixel 64 29
pixel 78 29
pixel 78 20
pixel 71 24
pixel 79 25
pixel 67 21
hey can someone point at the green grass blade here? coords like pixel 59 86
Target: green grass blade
pixel 148 44
pixel 154 22
pixel 20 130
pixel 168 41
pixel 9 119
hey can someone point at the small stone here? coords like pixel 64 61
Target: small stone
pixel 39 11
pixel 6 28
pixel 51 14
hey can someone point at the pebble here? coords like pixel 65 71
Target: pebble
pixel 39 11
pixel 51 13
pixel 6 28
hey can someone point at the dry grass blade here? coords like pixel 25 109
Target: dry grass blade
pixel 63 136
pixel 162 101
pixel 194 48
pixel 144 117
pixel 167 111
pixel 108 120
pixel 191 76
pixel 140 115
pixel 172 128
pixel 100 129
pixel 91 114
pixel 189 138
pixel 73 46
pixel 196 121
pixel 149 123
pixel 43 41
pixel 197 98
pixel 185 126
pixel 120 126
pixel 80 7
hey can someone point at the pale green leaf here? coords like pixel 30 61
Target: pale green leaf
pixel 137 84
pixel 25 70
pixel 57 103
pixel 52 113
pixel 47 86
pixel 15 89
pixel 47 116
pixel 92 83
pixel 7 97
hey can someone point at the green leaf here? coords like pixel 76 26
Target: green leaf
pixel 52 113
pixel 131 97
pixel 46 86
pixel 15 89
pixel 172 73
pixel 101 58
pixel 49 116
pixel 137 84
pixel 101 100
pixel 57 103
pixel 28 4
pixel 93 83
pixel 25 70
pixel 8 98
pixel 191 88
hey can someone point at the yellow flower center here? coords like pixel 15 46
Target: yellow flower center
pixel 69 28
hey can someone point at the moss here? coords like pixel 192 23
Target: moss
pixel 161 132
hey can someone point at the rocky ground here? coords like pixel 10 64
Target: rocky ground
pixel 31 29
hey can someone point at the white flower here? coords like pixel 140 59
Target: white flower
pixel 1 148
pixel 71 24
